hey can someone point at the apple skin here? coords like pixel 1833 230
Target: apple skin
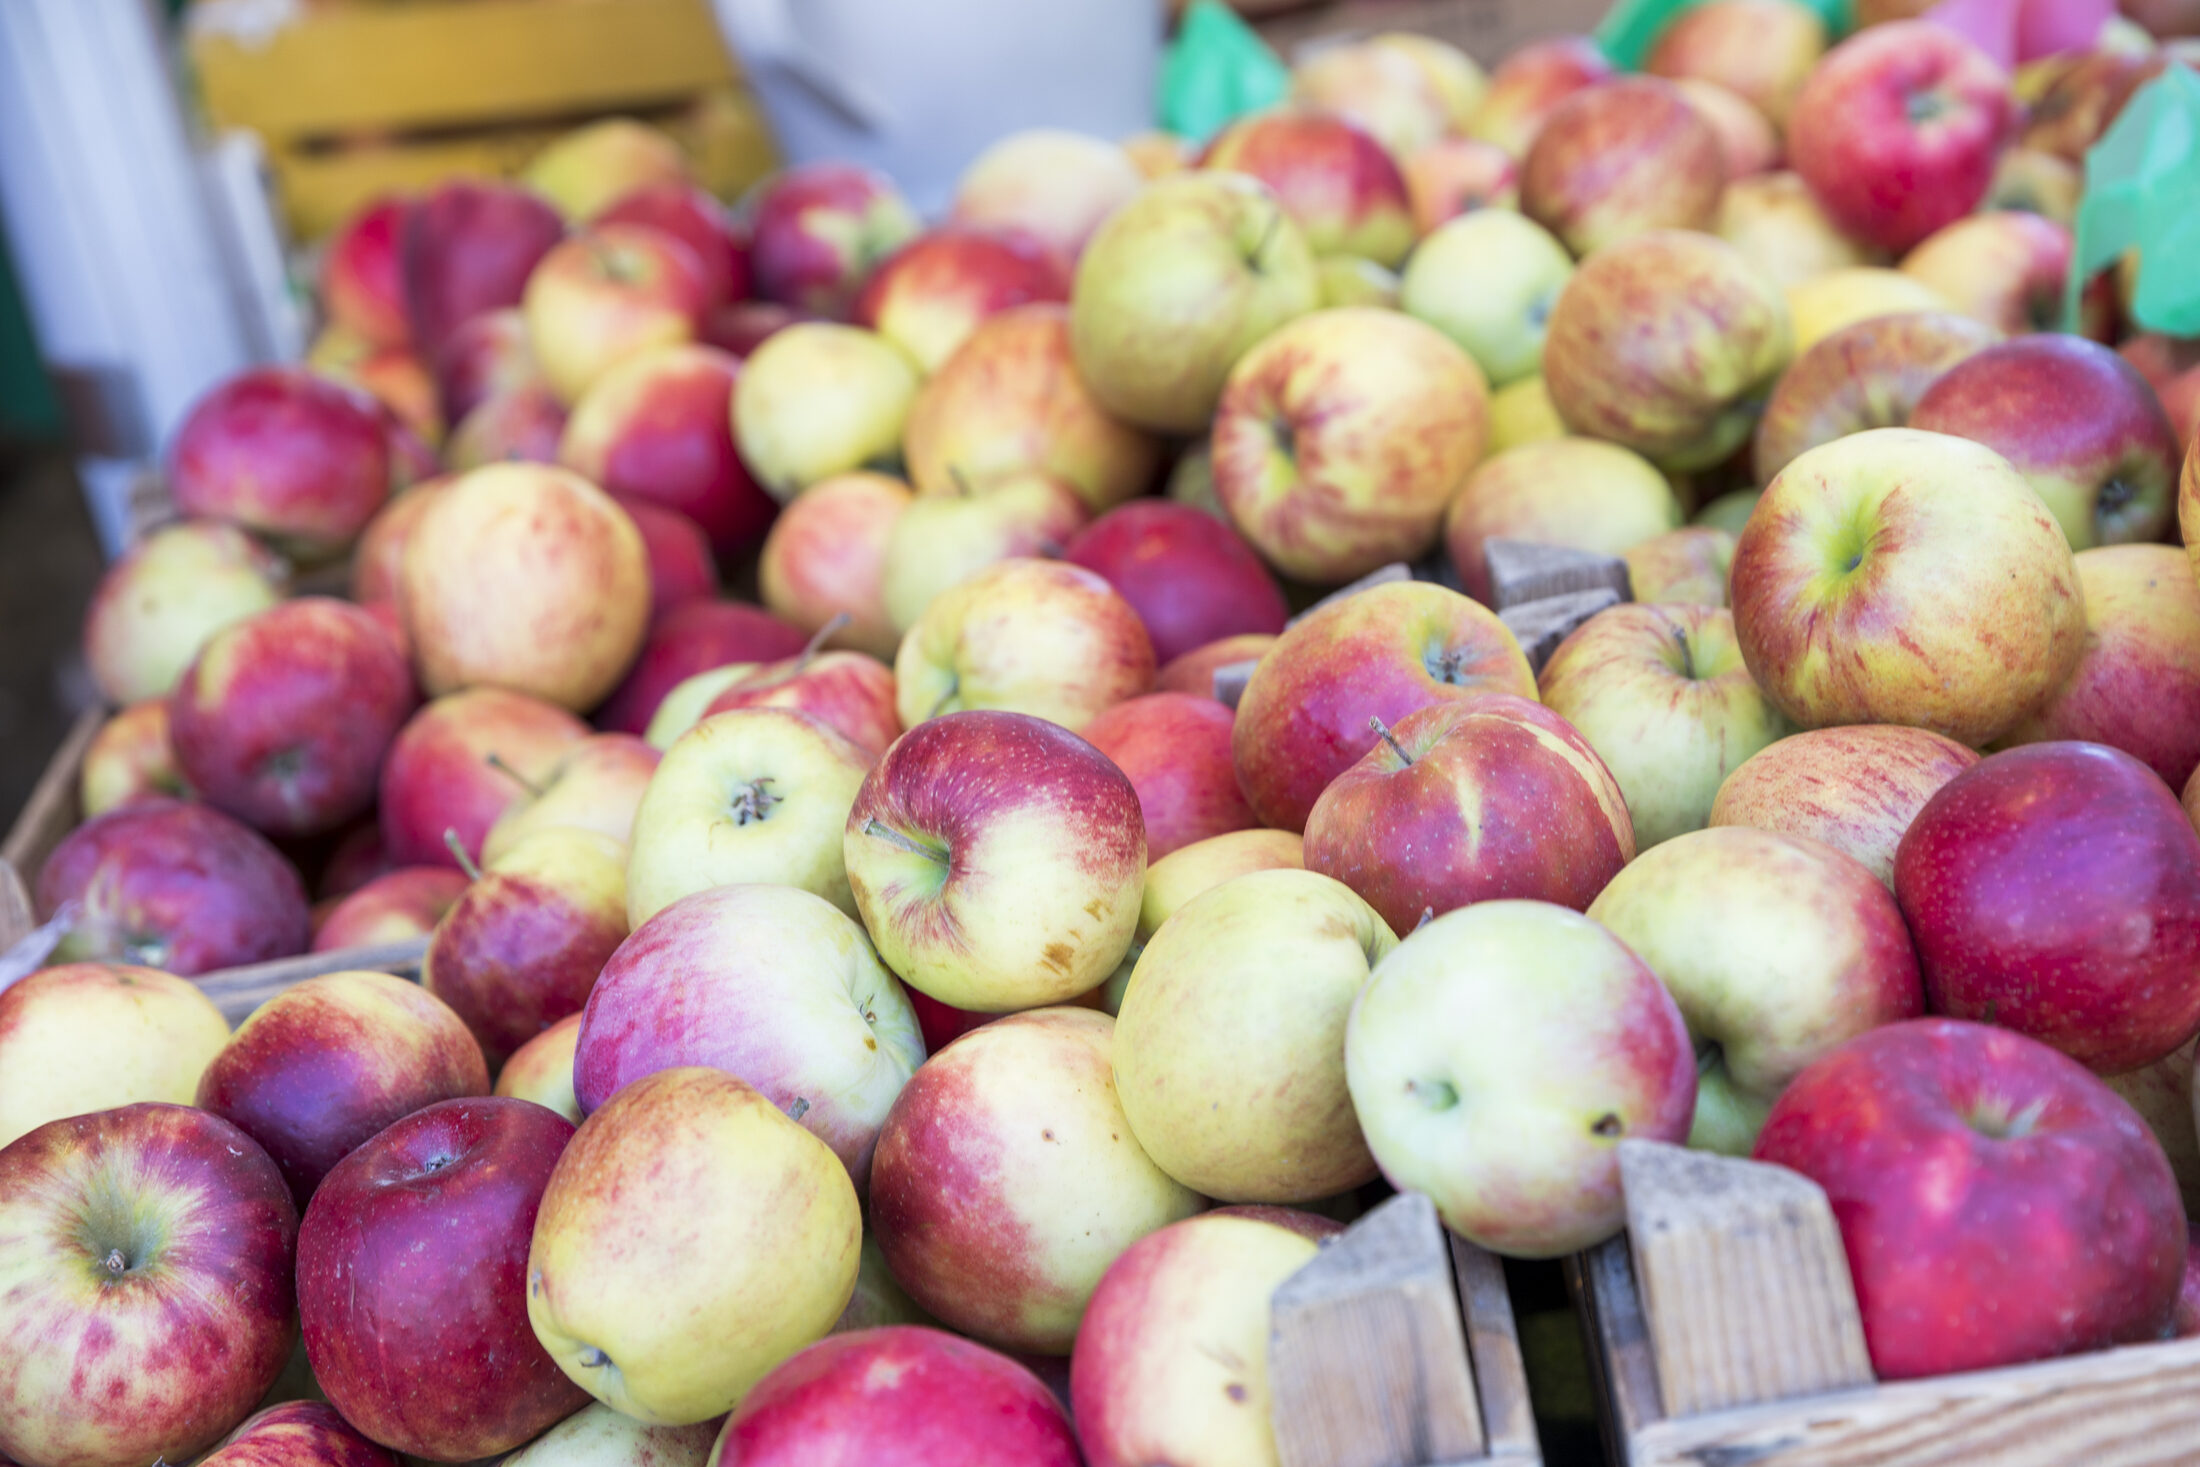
pixel 1406 89
pixel 657 427
pixel 690 215
pixel 1027 886
pixel 1186 872
pixel 130 757
pixel 469 247
pixel 850 692
pixel 1897 129
pixel 1275 959
pixel 2005 268
pixel 2079 423
pixel 1455 176
pixel 1053 185
pixel 2067 1231
pixel 2055 889
pixel 1488 281
pixel 396 905
pixel 541 1070
pixel 156 606
pixel 298 1434
pixel 1619 159
pixel 691 639
pixel 606 294
pixel 2034 181
pixel 1335 181
pixel 770 984
pixel 176 886
pixel 1171 1363
pixel 1661 694
pixel 283 718
pixel 597 1436
pixel 820 399
pixel 817 230
pixel 1760 50
pixel 1380 654
pixel 1493 797
pixel 1578 492
pixel 1897 576
pixel 1780 227
pixel 681 567
pixel 379 554
pixel 1341 437
pixel 606 1291
pixel 318 1069
pixel 1011 399
pixel 1565 1041
pixel 585 169
pixel 898 1393
pixel 361 287
pixel 2137 684
pixel 1832 299
pixel 1855 788
pixel 826 556
pixel 436 775
pixel 1175 750
pixel 1024 636
pixel 1194 671
pixel 596 785
pixel 1866 375
pixel 942 540
pixel 1747 143
pixel 1666 344
pixel 98 1375
pixel 929 295
pixel 1176 286
pixel 412 1263
pixel 1007 1180
pixel 1684 567
pixel 2162 1095
pixel 356 858
pixel 1191 579
pixel 285 453
pixel 484 358
pixel 1529 83
pixel 86 1037
pixel 524 425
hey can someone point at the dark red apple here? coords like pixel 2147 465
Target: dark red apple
pixel 1175 747
pixel 298 1434
pixel 691 639
pixel 469 247
pixel 680 565
pixel 746 325
pixel 289 454
pixel 361 288
pixel 817 230
pixel 483 357
pixel 437 775
pixel 357 858
pixel 389 908
pixel 1189 576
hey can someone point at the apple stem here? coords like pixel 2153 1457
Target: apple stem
pixel 956 477
pixel 457 848
pixel 1267 236
pixel 1382 731
pixel 496 762
pixel 798 1110
pixel 819 638
pixel 117 1265
pixel 894 837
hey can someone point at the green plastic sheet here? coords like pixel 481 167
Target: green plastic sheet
pixel 1631 27
pixel 1215 71
pixel 2142 192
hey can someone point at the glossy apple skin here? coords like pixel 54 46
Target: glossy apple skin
pixel 817 230
pixel 130 757
pixel 315 1071
pixel 286 453
pixel 156 606
pixel 396 905
pixel 173 885
pixel 541 1070
pixel 898 1393
pixel 818 400
pixel 826 555
pixel 692 639
pixel 1528 84
pixel 1194 671
pixel 1997 1203
pixel 693 217
pixel 524 424
pixel 437 777
pixel 84 1037
pixel 1380 654
pixel 283 719
pixel 657 427
pixel 2055 888
pixel 1007 1179
pixel 1897 129
pixel 298 1434
pixel 361 287
pixel 1191 579
pixel 1855 788
pixel 851 693
pixel 1867 375
pixel 929 295
pixel 1332 177
pixel 2007 269
pixel 468 248
pixel 1618 159
pixel 412 1265
pixel 1760 50
pixel 1503 798
pixel 1175 750
pixel 1582 493
pixel 681 568
pixel 99 1374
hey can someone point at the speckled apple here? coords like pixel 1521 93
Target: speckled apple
pixel 929 295
pixel 437 775
pixel 286 453
pixel 1868 375
pixel 1855 789
pixel 298 1434
pixel 1619 159
pixel 1338 184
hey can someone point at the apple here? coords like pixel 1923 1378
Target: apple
pixel 1529 83
pixel 401 387
pixel 1178 284
pixel 1175 750
pixel 1523 413
pixel 297 1433
pixel 357 857
pixel 130 757
pixel 826 557
pixel 657 427
pixel 2137 683
pixel 1763 51
pixel 681 568
pixel 2162 1095
pixel 1935 535
pixel 2172 367
pixel 1191 480
pixel 1559 1041
pixel 768 983
pixel 929 295
pixel 942 540
pixel 2078 422
pixel 851 693
pixel 145 1253
pixel 172 885
pixel 818 229
pixel 380 551
pixel 595 784
pixel 1011 400
pixel 585 170
pixel 1781 228
pixel 746 325
pixel 525 577
pixel 693 217
pixel 1026 636
pixel 286 453
pixel 2034 181
pixel 541 1070
pixel 877 1394
pixel 468 248
pixel 1832 299
pixel 1866 375
pixel 1004 893
pixel 2006 269
pixel 283 718
pixel 1897 129
pixel 1194 671
pixel 1171 1362
pixel 1747 143
pixel 412 1265
pixel 1578 492
pixel 1619 159
pixel 606 294
pixel 1469 800
pixel 1406 89
pixel 1855 789
pixel 437 776
pixel 1350 280
pixel 1488 281
pixel 1998 1204
pixel 1382 653
pixel 1454 176
pixel 84 1037
pixel 691 639
pixel 1684 567
pixel 1052 185
pixel 484 357
pixel 1187 872
pixel 1331 176
pixel 524 425
pixel 361 288
pixel 1191 579
pixel 1007 1179
pixel 683 707
pixel 820 399
pixel 668 1344
pixel 407 902
pixel 2054 889
pixel 2077 106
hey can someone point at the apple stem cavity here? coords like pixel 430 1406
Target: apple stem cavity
pixel 954 686
pixel 1608 1124
pixel 817 641
pixel 457 848
pixel 753 805
pixel 1435 1094
pixel 592 1358
pixel 894 837
pixel 1267 237
pixel 117 1265
pixel 497 762
pixel 1382 731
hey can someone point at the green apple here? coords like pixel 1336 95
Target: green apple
pixel 1488 280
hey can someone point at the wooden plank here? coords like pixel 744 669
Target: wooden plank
pixel 238 991
pixel 53 810
pixel 1493 1352
pixel 1528 570
pixel 1539 626
pixel 1367 1357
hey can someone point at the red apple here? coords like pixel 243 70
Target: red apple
pixel 358 858
pixel 1530 83
pixel 2007 268
pixel 468 248
pixel 606 294
pixel 693 217
pixel 680 565
pixel 1189 576
pixel 285 453
pixel 156 606
pixel 850 692
pixel 525 424
pixel 1194 671
pixel 437 775
pixel 1622 158
pixel 1332 177
pixel 486 356
pixel 826 557
pixel 298 1434
pixel 129 758
pixel 1866 375
pixel 746 325
pixel 929 295
pixel 691 639
pixel 1997 1203
pixel 390 908
pixel 1175 750
pixel 412 1265
pixel 818 229
pixel 1454 176
pixel 362 289
pixel 381 548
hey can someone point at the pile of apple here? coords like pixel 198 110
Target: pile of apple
pixel 847 1011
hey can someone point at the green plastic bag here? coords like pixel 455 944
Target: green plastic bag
pixel 1217 70
pixel 1631 27
pixel 2142 192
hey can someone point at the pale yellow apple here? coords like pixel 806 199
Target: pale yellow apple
pixel 94 1036
pixel 683 707
pixel 156 606
pixel 1187 872
pixel 1408 90
pixel 541 1070
pixel 1685 567
pixel 131 756
pixel 942 540
pixel 601 1437
pixel 819 399
pixel 1053 185
pixel 587 170
pixel 1578 492
pixel 596 785
pixel 1522 413
pixel 1829 301
pixel 1778 224
pixel 1355 280
pixel 1488 281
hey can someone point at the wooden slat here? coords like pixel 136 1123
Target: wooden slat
pixel 238 991
pixel 1528 570
pixel 53 809
pixel 1493 1350
pixel 1540 626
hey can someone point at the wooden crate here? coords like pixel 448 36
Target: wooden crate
pixel 1487 30
pixel 1723 1330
